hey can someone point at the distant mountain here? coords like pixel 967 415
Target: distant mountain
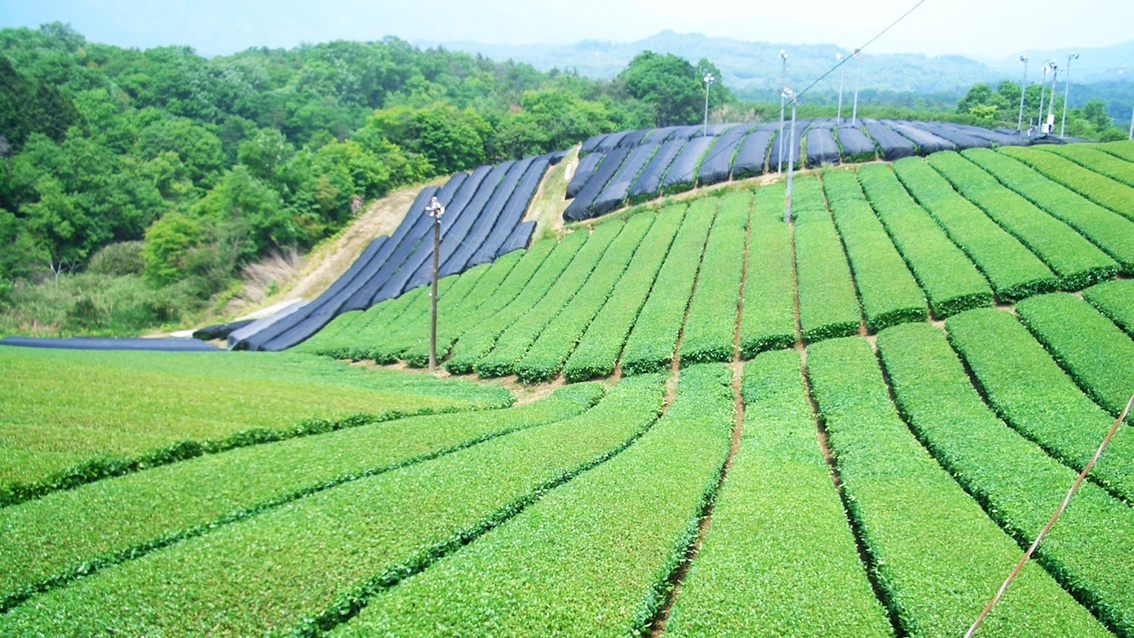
pixel 752 69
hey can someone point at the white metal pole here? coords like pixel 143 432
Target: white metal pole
pixel 1051 102
pixel 780 137
pixel 857 67
pixel 1043 90
pixel 789 94
pixel 708 82
pixel 1023 90
pixel 842 73
pixel 1132 124
pixel 1066 92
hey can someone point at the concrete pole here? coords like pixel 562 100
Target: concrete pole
pixel 1066 92
pixel 791 164
pixel 1023 90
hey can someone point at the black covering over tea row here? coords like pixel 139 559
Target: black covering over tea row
pixel 619 169
pixel 483 220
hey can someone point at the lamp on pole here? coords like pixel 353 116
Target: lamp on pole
pixel 434 210
pixel 1066 91
pixel 1051 101
pixel 857 66
pixel 839 114
pixel 1043 90
pixel 789 94
pixel 1023 90
pixel 709 79
pixel 780 137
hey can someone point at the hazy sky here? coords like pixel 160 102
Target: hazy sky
pixel 989 28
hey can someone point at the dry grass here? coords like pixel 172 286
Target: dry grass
pixel 284 278
pixel 550 200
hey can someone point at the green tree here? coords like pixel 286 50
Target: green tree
pixel 668 84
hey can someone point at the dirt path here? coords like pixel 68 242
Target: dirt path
pixel 677 578
pixel 317 270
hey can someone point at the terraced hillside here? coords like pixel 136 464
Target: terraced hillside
pixel 850 424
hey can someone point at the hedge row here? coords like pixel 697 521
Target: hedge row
pixel 318 559
pixel 452 324
pixel 653 340
pixel 600 346
pixel 69 535
pixel 1029 391
pixel 767 320
pixel 828 306
pixel 1098 188
pixel 1093 351
pixel 382 343
pixel 357 342
pixel 951 282
pixel 888 291
pixel 558 339
pixel 341 339
pixel 776 561
pixel 1104 159
pixel 412 328
pixel 710 330
pixel 319 342
pixel 515 297
pixel 1019 486
pixel 934 553
pixel 1076 261
pixel 520 334
pixel 592 558
pixel 1115 299
pixel 505 279
pixel 1111 232
pixel 1013 270
pixel 134 410
pixel 1121 150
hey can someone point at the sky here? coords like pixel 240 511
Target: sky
pixel 988 29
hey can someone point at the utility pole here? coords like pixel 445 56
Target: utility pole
pixel 709 79
pixel 839 113
pixel 1023 90
pixel 1066 91
pixel 1051 102
pixel 857 66
pixel 789 94
pixel 434 210
pixel 1043 90
pixel 780 137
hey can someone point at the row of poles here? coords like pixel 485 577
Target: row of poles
pixel 1052 67
pixel 435 210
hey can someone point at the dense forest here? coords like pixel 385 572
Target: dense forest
pixel 135 185
pixel 157 174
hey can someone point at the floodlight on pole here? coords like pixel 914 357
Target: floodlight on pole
pixel 789 94
pixel 1043 91
pixel 1066 91
pixel 857 66
pixel 1051 102
pixel 780 137
pixel 709 79
pixel 1023 90
pixel 839 113
pixel 434 210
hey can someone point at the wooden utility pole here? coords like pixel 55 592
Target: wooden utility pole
pixel 434 210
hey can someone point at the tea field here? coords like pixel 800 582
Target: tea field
pixel 847 425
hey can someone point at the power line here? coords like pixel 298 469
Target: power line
pixel 858 50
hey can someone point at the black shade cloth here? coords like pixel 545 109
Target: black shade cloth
pixel 170 344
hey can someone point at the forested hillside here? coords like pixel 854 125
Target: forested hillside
pixel 156 174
